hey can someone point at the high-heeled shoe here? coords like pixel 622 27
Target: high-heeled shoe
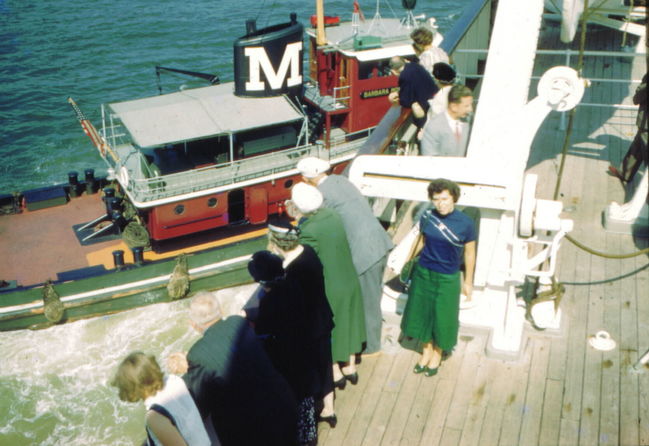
pixel 341 383
pixel 431 372
pixel 353 378
pixel 331 420
pixel 419 368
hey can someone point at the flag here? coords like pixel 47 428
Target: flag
pixel 358 10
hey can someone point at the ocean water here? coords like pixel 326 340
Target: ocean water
pixel 106 51
pixel 54 383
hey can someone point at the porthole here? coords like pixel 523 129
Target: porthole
pixel 288 184
pixel 179 209
pixel 211 202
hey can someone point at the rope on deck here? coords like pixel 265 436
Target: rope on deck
pixel 566 146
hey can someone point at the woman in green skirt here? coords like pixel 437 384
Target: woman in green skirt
pixel 432 311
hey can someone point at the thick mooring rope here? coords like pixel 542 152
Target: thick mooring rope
pixel 566 146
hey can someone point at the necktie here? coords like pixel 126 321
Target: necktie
pixel 458 132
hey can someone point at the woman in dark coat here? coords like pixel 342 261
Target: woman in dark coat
pixel 302 265
pixel 295 329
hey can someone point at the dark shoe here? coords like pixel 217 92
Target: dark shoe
pixel 331 420
pixel 341 383
pixel 419 368
pixel 431 372
pixel 353 378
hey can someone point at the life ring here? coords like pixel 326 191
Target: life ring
pixel 562 88
pixel 122 176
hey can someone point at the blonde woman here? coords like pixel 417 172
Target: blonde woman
pixel 172 418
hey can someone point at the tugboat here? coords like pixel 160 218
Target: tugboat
pixel 193 175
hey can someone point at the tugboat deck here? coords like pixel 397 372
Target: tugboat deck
pixel 561 390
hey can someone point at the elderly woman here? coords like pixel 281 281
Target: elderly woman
pixel 172 418
pixel 303 268
pixel 322 229
pixel 432 311
pixel 287 324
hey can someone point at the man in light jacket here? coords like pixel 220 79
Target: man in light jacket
pixel 447 134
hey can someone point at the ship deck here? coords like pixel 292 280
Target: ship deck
pixel 24 235
pixel 560 390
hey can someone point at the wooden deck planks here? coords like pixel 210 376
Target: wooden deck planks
pixel 485 378
pixel 386 407
pixel 444 383
pixel 629 352
pixel 493 418
pixel 533 407
pixel 551 415
pixel 611 401
pixel 347 403
pixel 561 391
pixel 642 285
pixel 592 380
pixel 465 387
pixel 369 401
pixel 515 402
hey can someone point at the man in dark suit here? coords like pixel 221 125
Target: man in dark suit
pixel 368 241
pixel 232 380
pixel 447 134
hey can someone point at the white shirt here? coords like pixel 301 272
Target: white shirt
pixel 176 399
pixel 455 124
pixel 439 103
pixel 431 56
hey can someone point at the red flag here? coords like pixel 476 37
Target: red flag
pixel 357 10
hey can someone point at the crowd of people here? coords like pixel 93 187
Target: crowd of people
pixel 268 374
pixel 429 87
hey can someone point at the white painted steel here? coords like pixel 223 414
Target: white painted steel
pixel 492 177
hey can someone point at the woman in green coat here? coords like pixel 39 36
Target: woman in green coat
pixel 323 230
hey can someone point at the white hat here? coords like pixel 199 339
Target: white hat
pixel 306 198
pixel 311 167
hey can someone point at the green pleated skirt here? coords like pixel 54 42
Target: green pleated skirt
pixel 433 307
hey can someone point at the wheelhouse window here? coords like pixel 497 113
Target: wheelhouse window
pixel 374 68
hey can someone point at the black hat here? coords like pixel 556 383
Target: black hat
pixel 265 266
pixel 280 223
pixel 443 72
pixel 282 233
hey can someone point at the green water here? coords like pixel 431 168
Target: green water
pixel 53 383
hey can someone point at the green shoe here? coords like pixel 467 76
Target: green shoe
pixel 419 368
pixel 430 372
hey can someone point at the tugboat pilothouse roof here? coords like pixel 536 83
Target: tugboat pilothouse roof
pixel 198 113
pixel 388 36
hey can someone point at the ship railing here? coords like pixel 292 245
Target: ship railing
pixel 241 171
pixel 341 101
pixel 114 133
pixel 327 102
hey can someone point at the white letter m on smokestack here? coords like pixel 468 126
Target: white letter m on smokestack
pixel 259 61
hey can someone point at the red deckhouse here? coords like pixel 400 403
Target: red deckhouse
pixel 203 158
